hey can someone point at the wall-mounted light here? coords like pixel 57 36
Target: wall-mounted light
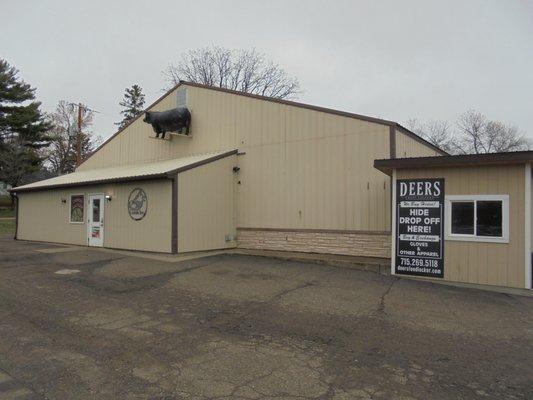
pixel 63 201
pixel 236 169
pixel 108 197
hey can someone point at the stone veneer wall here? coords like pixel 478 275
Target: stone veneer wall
pixel 372 244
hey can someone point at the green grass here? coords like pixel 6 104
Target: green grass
pixel 7 227
pixel 7 213
pixel 5 201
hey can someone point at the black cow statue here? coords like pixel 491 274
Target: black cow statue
pixel 169 121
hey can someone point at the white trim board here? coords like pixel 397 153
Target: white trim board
pixel 527 227
pixel 393 225
pixel 504 198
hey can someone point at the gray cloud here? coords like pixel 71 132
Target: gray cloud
pixel 391 59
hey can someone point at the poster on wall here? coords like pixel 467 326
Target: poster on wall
pixel 420 227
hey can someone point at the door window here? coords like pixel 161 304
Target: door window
pixel 96 210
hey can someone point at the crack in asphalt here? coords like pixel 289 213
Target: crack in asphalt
pixel 381 306
pixel 262 304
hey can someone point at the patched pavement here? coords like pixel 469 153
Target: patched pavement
pixel 117 326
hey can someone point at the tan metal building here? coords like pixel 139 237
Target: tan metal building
pixel 259 173
pixel 254 172
pixel 487 215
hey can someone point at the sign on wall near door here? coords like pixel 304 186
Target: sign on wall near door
pixel 419 227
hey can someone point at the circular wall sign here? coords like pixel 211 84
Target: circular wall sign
pixel 137 204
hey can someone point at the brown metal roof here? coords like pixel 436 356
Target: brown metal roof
pixel 466 160
pixel 280 101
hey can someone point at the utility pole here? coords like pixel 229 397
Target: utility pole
pixel 79 134
pixel 78 138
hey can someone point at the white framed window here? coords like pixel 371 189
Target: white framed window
pixel 477 218
pixel 77 209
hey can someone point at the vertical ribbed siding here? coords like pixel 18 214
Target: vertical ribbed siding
pixel 499 264
pixel 43 217
pixel 302 169
pixel 408 147
pixel 154 231
pixel 206 206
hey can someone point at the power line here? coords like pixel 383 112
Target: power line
pixel 83 106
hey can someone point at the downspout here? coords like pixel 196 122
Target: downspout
pixel 527 228
pixel 392 154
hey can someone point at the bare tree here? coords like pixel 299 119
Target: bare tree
pixel 61 154
pixel 473 134
pixel 436 132
pixel 243 70
pixel 476 134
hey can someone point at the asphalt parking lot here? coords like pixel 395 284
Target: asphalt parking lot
pixel 243 327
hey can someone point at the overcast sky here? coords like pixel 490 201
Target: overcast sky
pixel 390 59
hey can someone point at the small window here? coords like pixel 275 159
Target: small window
pixel 489 218
pixel 478 218
pixel 463 217
pixel 182 97
pixel 77 214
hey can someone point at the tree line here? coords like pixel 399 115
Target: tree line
pixel 471 133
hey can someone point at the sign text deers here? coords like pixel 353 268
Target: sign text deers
pixel 420 188
pixel 419 228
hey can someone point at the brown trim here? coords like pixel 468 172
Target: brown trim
pixel 273 100
pixel 203 162
pixel 467 160
pixel 392 141
pixel 17 217
pixel 299 230
pixel 174 236
pixel 291 103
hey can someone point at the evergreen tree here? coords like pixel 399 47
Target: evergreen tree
pixel 133 105
pixel 23 128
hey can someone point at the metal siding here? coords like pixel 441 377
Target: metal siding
pixel 44 218
pixel 206 206
pixel 500 264
pixel 408 147
pixel 302 169
pixel 154 231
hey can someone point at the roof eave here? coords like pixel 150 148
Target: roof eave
pixel 454 161
pixel 90 183
pixel 167 174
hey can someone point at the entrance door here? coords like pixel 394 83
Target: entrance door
pixel 95 220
